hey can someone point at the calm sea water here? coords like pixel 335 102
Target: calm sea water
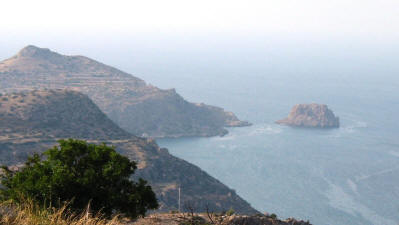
pixel 345 176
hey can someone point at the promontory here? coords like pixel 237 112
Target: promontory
pixel 312 116
pixel 32 122
pixel 137 107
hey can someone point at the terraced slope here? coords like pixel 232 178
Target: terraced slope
pixel 141 109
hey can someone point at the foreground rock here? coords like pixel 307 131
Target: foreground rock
pixel 205 219
pixel 311 115
pixel 34 121
pixel 139 108
pixel 261 220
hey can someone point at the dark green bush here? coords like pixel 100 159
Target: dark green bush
pixel 273 216
pixel 230 212
pixel 81 173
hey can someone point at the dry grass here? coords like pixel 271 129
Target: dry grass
pixel 29 213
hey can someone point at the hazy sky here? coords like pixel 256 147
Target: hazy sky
pixel 164 34
pixel 378 18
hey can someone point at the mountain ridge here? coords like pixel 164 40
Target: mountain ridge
pixel 141 109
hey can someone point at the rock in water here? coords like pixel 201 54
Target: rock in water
pixel 311 115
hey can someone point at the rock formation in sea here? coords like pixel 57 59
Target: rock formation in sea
pixel 312 116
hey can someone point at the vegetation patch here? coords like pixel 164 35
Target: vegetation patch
pixel 79 174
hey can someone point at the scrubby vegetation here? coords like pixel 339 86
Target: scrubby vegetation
pixel 29 213
pixel 47 116
pixel 79 174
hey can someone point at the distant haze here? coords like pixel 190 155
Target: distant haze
pixel 355 17
pixel 158 37
pixel 174 57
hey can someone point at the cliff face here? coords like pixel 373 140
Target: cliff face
pixel 33 122
pixel 141 109
pixel 311 115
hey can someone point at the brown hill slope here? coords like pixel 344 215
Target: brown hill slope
pixel 55 113
pixel 141 109
pixel 32 122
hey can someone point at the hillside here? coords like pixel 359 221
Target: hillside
pixel 33 122
pixel 141 109
pixel 55 113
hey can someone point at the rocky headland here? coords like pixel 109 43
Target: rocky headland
pixel 32 122
pixel 139 108
pixel 311 116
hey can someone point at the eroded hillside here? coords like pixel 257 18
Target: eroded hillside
pixel 141 109
pixel 33 122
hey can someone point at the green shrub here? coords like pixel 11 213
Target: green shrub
pixel 230 212
pixel 81 173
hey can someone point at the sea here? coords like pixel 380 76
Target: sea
pixel 344 176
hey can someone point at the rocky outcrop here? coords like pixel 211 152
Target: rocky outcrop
pixel 141 109
pixel 311 115
pixel 34 121
pixel 207 219
pixel 261 220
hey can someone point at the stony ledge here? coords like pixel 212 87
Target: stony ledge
pixel 207 219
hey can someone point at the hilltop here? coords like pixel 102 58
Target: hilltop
pixel 55 113
pixel 141 109
pixel 33 122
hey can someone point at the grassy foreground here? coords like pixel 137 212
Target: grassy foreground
pixel 29 213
